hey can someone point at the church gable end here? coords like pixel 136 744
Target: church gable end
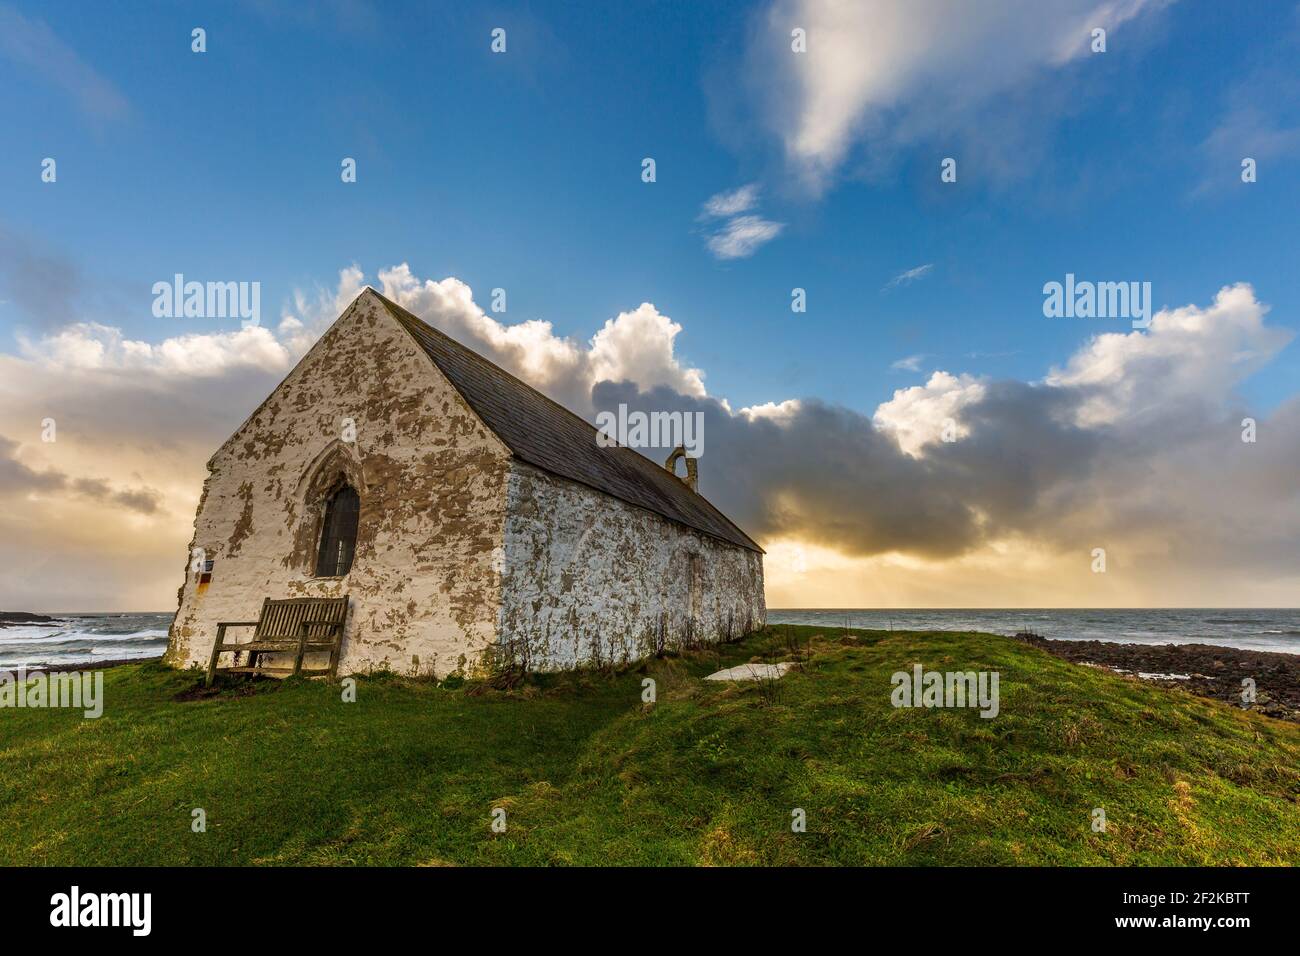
pixel 367 442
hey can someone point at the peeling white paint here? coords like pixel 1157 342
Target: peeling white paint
pixel 460 549
pixel 590 578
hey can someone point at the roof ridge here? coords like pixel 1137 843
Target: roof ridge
pixel 413 324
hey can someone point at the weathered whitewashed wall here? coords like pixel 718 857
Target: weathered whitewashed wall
pixel 460 548
pixel 591 579
pixel 424 583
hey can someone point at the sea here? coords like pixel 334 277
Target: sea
pixel 1268 629
pixel 82 638
pixel 79 638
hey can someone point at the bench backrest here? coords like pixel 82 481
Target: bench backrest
pixel 282 619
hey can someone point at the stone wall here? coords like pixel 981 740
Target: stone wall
pixel 591 579
pixel 424 582
pixel 461 550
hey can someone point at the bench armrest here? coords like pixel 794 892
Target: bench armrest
pixel 237 624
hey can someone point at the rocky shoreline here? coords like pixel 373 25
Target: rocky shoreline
pixel 17 618
pixel 1203 669
pixel 88 665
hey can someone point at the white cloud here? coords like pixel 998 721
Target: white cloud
pixel 1189 355
pixel 636 346
pixel 910 276
pixel 91 346
pixel 898 70
pixel 916 416
pixel 911 363
pixel 742 236
pixel 1186 366
pixel 530 349
pixel 312 314
pixel 724 204
pixel 779 412
pixel 744 231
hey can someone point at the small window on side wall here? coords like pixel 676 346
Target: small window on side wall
pixel 338 539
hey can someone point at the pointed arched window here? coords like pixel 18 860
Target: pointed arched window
pixel 338 537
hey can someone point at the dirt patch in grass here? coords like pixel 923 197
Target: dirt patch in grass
pixel 226 687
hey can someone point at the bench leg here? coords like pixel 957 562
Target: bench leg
pixel 216 652
pixel 297 660
pixel 334 652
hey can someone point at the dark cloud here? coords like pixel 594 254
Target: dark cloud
pixel 18 479
pixel 828 475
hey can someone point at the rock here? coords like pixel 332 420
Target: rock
pixel 10 618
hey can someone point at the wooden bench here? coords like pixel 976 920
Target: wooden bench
pixel 292 625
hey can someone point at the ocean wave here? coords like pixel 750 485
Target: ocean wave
pixel 80 637
pixel 82 650
pixel 29 661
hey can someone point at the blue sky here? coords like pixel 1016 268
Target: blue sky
pixel 522 170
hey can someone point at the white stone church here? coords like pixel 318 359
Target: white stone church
pixel 459 511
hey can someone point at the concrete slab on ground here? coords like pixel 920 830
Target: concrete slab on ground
pixel 752 672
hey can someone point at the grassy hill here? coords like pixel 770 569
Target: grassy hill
pixel 410 773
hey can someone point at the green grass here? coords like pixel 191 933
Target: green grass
pixel 410 773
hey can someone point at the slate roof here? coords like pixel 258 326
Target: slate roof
pixel 548 436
